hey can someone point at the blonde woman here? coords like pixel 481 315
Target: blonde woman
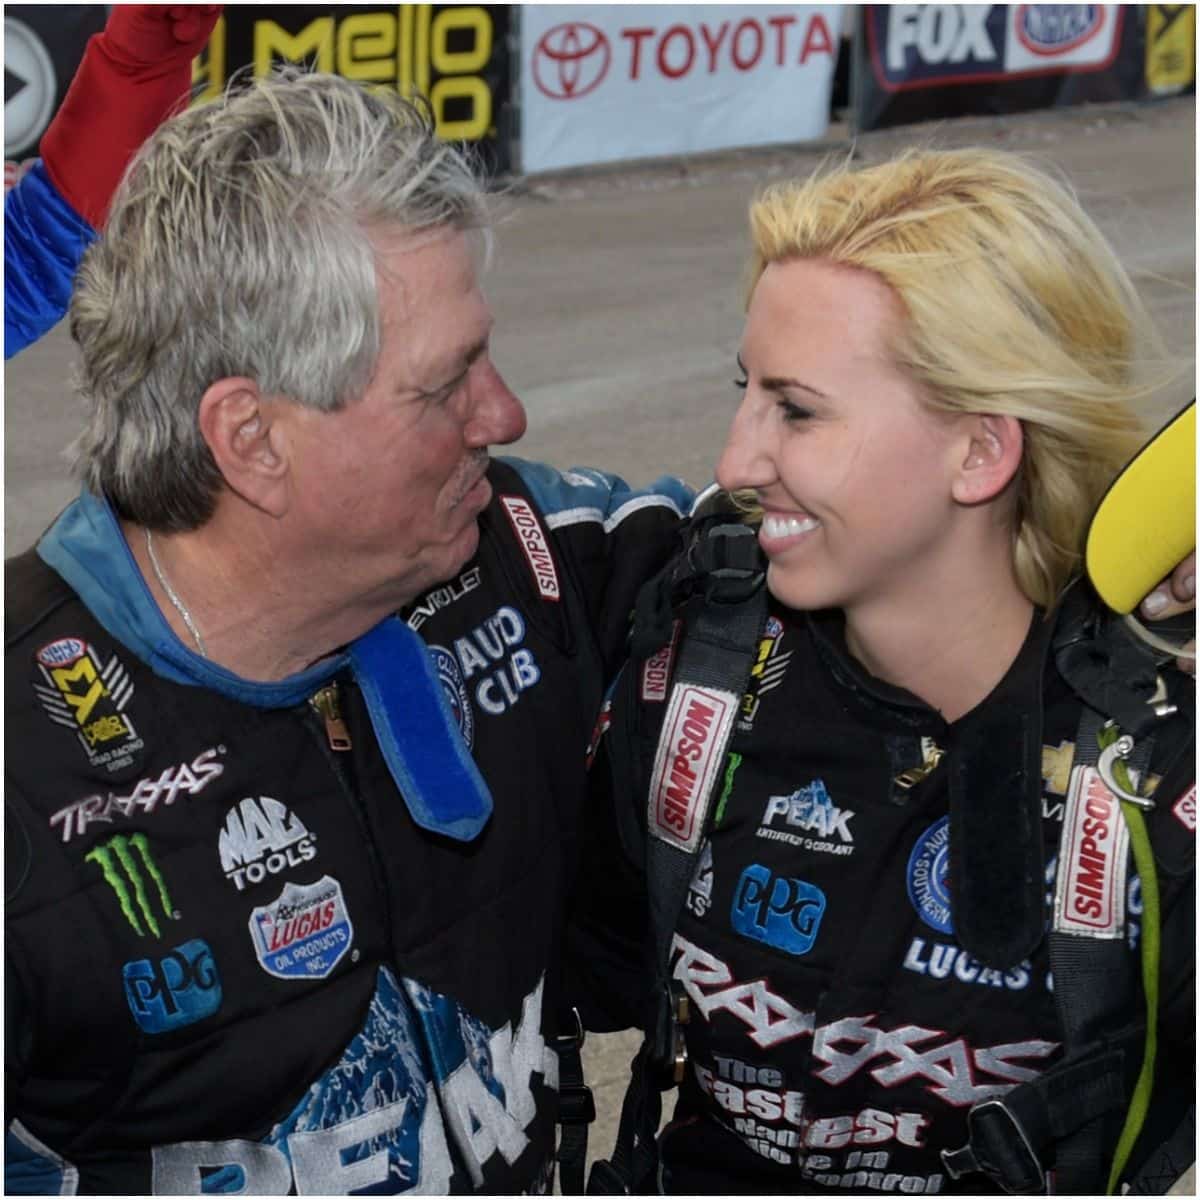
pixel 911 891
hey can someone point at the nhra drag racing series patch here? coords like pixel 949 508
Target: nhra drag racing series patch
pixel 1089 899
pixel 532 537
pixel 305 933
pixel 88 698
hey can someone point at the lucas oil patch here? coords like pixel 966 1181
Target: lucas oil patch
pixel 1089 899
pixel 305 933
pixel 690 749
pixel 929 876
pixel 532 537
pixel 88 698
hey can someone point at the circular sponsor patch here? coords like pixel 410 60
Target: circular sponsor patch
pixel 455 688
pixel 30 87
pixel 929 876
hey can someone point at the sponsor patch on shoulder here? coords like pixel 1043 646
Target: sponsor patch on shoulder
pixel 656 670
pixel 88 697
pixel 533 541
pixel 695 732
pixel 1184 809
pixel 1089 898
pixel 304 933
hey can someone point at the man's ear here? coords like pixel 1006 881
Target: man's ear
pixel 991 458
pixel 243 433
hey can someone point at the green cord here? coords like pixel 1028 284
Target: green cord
pixel 1143 858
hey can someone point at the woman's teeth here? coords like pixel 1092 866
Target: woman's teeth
pixel 781 527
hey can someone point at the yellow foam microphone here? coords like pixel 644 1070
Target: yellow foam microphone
pixel 1146 522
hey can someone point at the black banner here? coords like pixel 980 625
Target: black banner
pixel 454 55
pixel 42 47
pixel 920 62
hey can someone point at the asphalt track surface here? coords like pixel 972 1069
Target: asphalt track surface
pixel 617 296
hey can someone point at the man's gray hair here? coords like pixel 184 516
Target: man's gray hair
pixel 240 243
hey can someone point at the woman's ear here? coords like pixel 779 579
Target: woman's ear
pixel 992 457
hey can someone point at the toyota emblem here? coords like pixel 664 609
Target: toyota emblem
pixel 571 60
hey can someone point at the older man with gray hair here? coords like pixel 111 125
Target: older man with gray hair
pixel 299 688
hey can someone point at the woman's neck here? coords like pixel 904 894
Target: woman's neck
pixel 949 646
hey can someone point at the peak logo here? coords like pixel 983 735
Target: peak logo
pixel 571 60
pixel 262 837
pixel 146 796
pixel 821 826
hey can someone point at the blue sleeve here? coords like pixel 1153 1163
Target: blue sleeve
pixel 583 495
pixel 44 240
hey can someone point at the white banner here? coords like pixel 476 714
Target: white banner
pixel 607 82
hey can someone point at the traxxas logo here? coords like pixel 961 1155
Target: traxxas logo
pixel 955 1072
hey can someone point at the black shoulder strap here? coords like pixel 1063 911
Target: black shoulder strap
pixel 722 569
pixel 1071 1111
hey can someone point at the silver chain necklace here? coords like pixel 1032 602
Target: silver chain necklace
pixel 180 607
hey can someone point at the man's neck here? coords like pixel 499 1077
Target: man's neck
pixel 950 645
pixel 257 613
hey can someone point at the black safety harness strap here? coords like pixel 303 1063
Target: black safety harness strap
pixel 1067 1114
pixel 576 1109
pixel 724 624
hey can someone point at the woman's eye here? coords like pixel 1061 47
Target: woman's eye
pixel 793 412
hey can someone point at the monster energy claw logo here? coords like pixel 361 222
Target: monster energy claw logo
pixel 127 877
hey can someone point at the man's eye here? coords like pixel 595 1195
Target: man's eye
pixel 742 384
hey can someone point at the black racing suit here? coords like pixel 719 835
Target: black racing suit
pixel 235 959
pixel 839 1033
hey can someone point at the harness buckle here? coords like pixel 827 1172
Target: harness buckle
pixel 998 1147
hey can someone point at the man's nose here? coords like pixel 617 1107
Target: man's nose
pixel 499 417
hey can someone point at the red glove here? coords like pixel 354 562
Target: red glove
pixel 132 76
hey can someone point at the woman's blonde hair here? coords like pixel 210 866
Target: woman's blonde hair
pixel 1015 304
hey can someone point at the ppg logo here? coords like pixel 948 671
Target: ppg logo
pixel 782 912
pixel 176 990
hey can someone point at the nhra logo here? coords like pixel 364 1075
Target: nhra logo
pixel 89 699
pixel 455 691
pixel 178 989
pixel 781 912
pixel 260 838
pixel 1053 29
pixel 303 934
pixel 929 876
pixel 571 60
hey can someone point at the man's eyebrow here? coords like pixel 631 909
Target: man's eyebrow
pixel 463 363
